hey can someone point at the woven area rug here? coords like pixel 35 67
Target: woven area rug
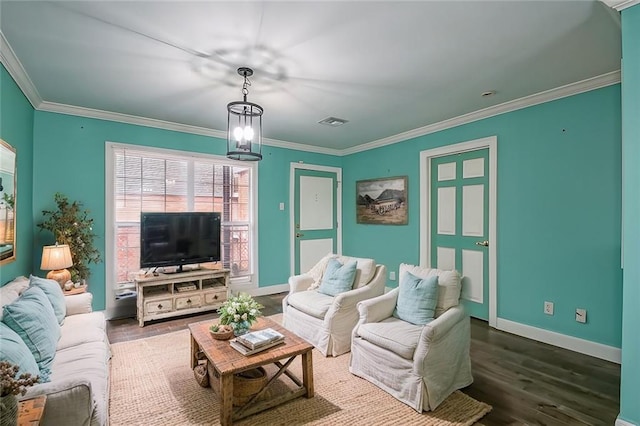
pixel 152 384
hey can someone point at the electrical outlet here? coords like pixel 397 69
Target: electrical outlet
pixel 581 315
pixel 548 308
pixel 392 275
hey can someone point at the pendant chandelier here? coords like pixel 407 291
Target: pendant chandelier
pixel 244 125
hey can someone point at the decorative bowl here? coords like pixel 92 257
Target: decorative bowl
pixel 221 332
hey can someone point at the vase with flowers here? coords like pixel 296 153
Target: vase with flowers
pixel 10 386
pixel 240 312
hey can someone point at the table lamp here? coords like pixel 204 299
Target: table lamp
pixel 55 259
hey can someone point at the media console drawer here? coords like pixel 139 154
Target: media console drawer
pixel 188 302
pixel 158 306
pixel 215 297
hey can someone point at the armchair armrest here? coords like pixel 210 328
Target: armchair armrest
pixel 378 308
pixel 444 341
pixel 440 326
pixel 299 283
pixel 79 303
pixel 375 288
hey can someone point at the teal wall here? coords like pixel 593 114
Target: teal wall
pixel 630 383
pixel 559 210
pixel 69 157
pixel 16 128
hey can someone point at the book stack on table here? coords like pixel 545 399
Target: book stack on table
pixel 257 341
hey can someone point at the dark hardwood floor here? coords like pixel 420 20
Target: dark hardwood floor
pixel 526 382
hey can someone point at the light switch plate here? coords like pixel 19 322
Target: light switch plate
pixel 281 206
pixel 581 315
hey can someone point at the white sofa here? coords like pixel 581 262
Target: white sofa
pixel 78 389
pixel 327 321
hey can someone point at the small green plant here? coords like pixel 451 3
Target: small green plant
pixel 71 225
pixel 9 200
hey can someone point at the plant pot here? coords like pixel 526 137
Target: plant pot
pixel 240 328
pixel 8 410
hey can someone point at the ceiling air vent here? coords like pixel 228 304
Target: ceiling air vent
pixel 333 121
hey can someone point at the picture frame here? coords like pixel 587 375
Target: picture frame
pixel 382 201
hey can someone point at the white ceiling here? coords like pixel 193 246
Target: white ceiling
pixel 387 67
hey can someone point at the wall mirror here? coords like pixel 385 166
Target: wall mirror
pixel 7 203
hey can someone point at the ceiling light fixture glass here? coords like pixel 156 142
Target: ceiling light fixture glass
pixel 244 125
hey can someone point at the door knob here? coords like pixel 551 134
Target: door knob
pixel 484 243
pixel 298 235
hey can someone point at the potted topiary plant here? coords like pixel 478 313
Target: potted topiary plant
pixel 71 225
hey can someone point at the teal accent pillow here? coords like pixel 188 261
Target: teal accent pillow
pixel 15 351
pixel 337 278
pixel 31 316
pixel 54 293
pixel 417 299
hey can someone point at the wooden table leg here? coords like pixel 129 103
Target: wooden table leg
pixel 307 373
pixel 194 352
pixel 226 399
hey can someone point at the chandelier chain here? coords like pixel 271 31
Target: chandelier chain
pixel 245 87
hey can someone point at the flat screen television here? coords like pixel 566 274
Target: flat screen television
pixel 176 239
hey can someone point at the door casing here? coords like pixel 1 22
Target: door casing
pixel 292 225
pixel 425 212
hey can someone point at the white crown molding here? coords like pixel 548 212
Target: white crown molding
pixel 302 147
pixel 18 73
pixel 587 347
pixel 127 119
pixel 620 4
pixel 538 98
pixel 167 125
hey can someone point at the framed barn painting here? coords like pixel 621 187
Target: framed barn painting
pixel 382 201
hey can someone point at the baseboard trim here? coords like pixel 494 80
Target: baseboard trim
pixel 598 350
pixel 620 422
pixel 265 291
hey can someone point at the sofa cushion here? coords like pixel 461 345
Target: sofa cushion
pixel 86 362
pixel 417 299
pixel 449 284
pixel 392 334
pixel 78 304
pixel 54 293
pixel 32 317
pixel 338 277
pixel 311 303
pixel 14 350
pixel 79 329
pixel 365 269
pixel 12 290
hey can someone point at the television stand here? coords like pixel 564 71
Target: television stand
pixel 180 293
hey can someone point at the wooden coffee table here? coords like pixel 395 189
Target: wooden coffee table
pixel 227 361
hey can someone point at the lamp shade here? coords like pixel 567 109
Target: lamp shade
pixel 56 257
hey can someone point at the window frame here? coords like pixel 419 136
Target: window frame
pixel 243 283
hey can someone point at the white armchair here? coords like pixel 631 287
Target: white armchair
pixel 327 321
pixel 420 365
